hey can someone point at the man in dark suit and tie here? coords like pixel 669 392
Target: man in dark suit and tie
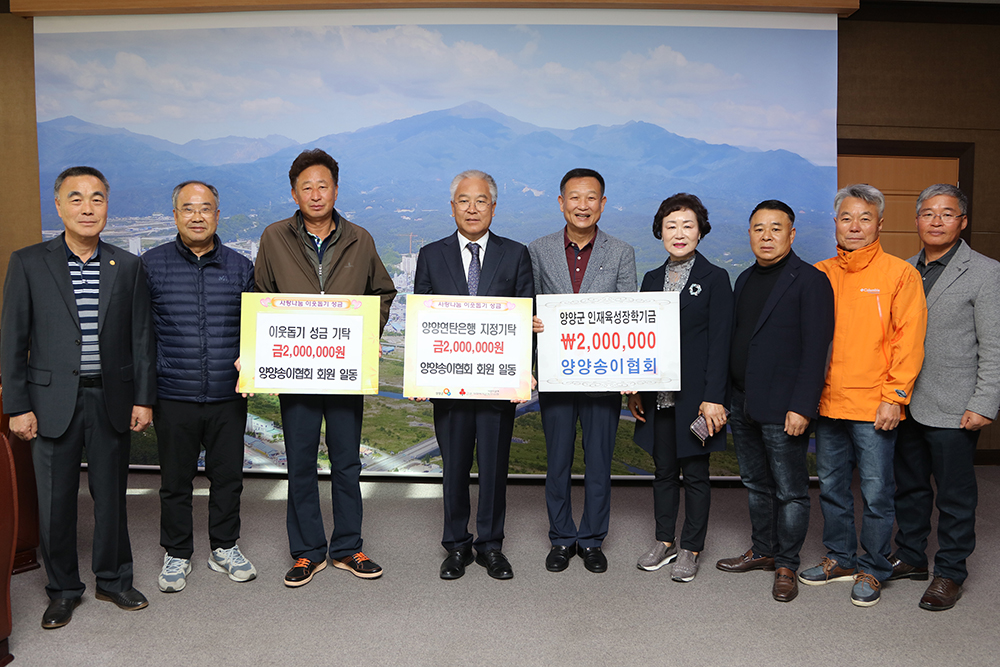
pixel 79 371
pixel 475 262
pixel 782 303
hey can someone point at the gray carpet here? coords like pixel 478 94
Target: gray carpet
pixel 411 617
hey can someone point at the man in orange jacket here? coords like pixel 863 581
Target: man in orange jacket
pixel 877 351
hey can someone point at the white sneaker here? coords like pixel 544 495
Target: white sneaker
pixel 233 563
pixel 173 576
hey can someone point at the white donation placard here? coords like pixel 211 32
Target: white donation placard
pixel 609 342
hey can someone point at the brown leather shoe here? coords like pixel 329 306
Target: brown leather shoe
pixel 901 570
pixel 941 595
pixel 786 586
pixel 746 563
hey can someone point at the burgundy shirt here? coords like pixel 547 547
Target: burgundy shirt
pixel 577 259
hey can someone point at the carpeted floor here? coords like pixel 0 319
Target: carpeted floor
pixel 411 617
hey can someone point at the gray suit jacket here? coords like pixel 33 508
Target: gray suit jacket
pixel 40 343
pixel 961 368
pixel 611 267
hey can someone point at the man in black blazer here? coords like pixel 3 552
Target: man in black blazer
pixel 78 372
pixel 782 330
pixel 474 262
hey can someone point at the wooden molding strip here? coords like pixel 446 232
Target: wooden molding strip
pixel 114 7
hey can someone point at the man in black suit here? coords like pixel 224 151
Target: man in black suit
pixel 472 261
pixel 782 330
pixel 79 371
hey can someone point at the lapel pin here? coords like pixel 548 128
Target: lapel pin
pixel 112 262
pixel 695 289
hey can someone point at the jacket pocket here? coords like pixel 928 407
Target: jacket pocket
pixel 38 376
pixel 127 373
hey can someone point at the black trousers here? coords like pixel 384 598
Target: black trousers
pixel 182 429
pixel 301 417
pixel 598 416
pixel 57 474
pixel 667 486
pixel 946 454
pixel 485 427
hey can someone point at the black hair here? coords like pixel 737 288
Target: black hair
pixel 73 172
pixel 311 158
pixel 580 172
pixel 774 205
pixel 679 201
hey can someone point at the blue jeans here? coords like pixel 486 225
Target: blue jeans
pixel 773 468
pixel 842 445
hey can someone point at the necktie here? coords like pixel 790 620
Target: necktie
pixel 474 269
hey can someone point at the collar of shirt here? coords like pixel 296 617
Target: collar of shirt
pixel 942 260
pixel 318 244
pixel 567 243
pixel 463 243
pixel 188 254
pixel 72 255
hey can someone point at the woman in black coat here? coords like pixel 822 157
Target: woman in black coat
pixel 663 419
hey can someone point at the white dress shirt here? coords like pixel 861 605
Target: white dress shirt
pixel 467 254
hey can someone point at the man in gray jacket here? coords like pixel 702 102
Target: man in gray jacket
pixel 580 259
pixel 956 395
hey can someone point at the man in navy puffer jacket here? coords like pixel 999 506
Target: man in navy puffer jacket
pixel 196 284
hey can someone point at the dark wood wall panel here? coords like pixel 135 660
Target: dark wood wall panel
pixel 85 7
pixel 913 82
pixel 20 218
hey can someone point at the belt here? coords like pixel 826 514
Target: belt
pixel 90 381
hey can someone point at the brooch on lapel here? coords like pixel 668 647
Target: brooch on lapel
pixel 694 290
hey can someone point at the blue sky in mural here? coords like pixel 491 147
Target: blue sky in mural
pixel 759 88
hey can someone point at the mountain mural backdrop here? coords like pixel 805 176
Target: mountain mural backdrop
pixel 394 178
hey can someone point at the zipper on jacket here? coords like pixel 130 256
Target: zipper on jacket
pixel 202 331
pixel 885 332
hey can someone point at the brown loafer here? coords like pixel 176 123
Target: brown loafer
pixel 746 563
pixel 941 595
pixel 786 586
pixel 901 570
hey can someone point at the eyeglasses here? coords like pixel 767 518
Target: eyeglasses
pixel 946 218
pixel 481 204
pixel 189 211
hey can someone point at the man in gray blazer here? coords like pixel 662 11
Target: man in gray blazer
pixel 580 258
pixel 957 393
pixel 78 365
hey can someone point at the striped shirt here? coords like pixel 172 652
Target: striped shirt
pixel 86 277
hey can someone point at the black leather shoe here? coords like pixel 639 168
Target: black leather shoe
pixel 901 570
pixel 302 572
pixel 59 612
pixel 496 564
pixel 558 558
pixel 130 600
pixel 453 566
pixel 594 559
